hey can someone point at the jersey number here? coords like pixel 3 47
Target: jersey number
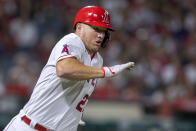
pixel 82 103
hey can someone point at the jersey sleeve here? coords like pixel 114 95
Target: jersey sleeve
pixel 67 49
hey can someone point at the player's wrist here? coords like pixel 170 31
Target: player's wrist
pixel 107 72
pixel 102 68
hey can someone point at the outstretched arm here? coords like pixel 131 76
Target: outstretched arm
pixel 71 68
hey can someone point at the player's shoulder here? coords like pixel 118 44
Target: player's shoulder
pixel 73 40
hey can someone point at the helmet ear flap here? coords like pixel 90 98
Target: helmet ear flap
pixel 106 39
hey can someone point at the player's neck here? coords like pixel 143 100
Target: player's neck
pixel 90 52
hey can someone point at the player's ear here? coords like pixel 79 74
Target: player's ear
pixel 78 26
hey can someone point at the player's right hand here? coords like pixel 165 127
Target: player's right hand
pixel 115 70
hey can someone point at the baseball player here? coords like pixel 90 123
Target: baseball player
pixel 70 76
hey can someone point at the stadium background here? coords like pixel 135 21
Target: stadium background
pixel 158 35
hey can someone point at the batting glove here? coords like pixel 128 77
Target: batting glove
pixel 115 70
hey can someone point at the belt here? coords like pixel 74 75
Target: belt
pixel 37 126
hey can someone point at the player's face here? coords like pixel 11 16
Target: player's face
pixel 93 37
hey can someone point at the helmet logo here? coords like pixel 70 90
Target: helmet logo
pixel 106 17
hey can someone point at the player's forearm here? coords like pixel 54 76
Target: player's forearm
pixel 84 73
pixel 74 70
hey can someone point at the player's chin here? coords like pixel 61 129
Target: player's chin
pixel 96 49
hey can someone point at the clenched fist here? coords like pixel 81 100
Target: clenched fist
pixel 115 70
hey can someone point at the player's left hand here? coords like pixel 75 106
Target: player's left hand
pixel 82 123
pixel 131 66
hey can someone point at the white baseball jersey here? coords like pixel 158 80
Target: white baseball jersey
pixel 58 103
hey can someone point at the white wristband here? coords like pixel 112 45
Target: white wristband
pixel 107 72
pixel 115 70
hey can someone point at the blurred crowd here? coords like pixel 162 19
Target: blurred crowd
pixel 158 35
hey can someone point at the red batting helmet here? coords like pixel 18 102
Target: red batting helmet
pixel 93 15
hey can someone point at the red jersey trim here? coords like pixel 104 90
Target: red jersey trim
pixel 93 56
pixel 62 56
